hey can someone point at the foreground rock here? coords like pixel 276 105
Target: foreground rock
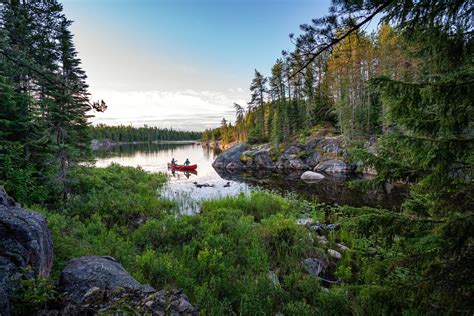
pixel 84 273
pixel 101 284
pixel 126 301
pixel 25 244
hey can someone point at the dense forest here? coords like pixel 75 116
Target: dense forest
pixel 336 87
pixel 44 101
pixel 409 83
pixel 124 133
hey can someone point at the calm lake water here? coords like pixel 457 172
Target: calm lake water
pixel 181 185
pixel 182 188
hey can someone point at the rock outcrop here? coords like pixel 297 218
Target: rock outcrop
pixel 322 153
pixel 26 248
pixel 230 159
pixel 100 284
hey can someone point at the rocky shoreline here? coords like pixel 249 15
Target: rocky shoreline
pixel 317 157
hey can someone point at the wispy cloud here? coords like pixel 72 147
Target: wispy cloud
pixel 187 109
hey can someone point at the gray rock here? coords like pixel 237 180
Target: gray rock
pixel 313 160
pixel 83 273
pixel 342 247
pixel 273 277
pixel 331 145
pixel 25 243
pixel 262 160
pixel 335 166
pixel 335 254
pixel 304 221
pixel 297 164
pixel 315 266
pixel 311 176
pixel 323 229
pixel 292 150
pixel 322 240
pixel 234 166
pixel 111 302
pixel 230 159
pixel 311 144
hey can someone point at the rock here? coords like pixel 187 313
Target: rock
pixel 83 273
pixel 331 145
pixel 297 164
pixel 262 160
pixel 311 176
pixel 323 229
pixel 25 243
pixel 311 144
pixel 304 221
pixel 108 301
pixel 335 166
pixel 230 159
pixel 273 277
pixel 292 150
pixel 342 247
pixel 315 266
pixel 322 240
pixel 235 166
pixel 335 254
pixel 313 160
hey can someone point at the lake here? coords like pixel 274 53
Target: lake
pixel 182 188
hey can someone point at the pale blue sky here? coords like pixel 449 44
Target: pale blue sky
pixel 180 63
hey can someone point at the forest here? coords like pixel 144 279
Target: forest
pixel 409 83
pixel 148 134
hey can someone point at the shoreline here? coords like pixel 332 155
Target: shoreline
pixel 97 144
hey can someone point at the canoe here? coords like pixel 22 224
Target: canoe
pixel 182 167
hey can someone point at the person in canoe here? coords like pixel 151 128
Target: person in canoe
pixel 187 162
pixel 173 161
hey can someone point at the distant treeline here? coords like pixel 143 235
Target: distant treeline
pixel 123 133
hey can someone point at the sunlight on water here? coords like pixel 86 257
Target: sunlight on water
pixel 181 186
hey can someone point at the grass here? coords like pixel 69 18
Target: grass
pixel 222 256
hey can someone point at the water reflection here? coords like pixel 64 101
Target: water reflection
pixel 189 188
pixel 186 188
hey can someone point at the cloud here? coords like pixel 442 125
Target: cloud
pixel 185 110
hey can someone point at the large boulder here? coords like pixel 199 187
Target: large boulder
pixel 100 284
pixel 25 245
pixel 311 176
pixel 230 159
pixel 292 150
pixel 311 144
pixel 83 273
pixel 313 159
pixel 335 166
pixel 297 164
pixel 262 160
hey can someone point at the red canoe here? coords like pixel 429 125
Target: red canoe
pixel 181 167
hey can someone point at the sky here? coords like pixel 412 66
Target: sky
pixel 180 63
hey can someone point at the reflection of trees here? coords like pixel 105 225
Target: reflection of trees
pixel 332 190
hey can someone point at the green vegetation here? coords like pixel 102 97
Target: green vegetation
pixel 144 134
pixel 223 256
pixel 410 84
